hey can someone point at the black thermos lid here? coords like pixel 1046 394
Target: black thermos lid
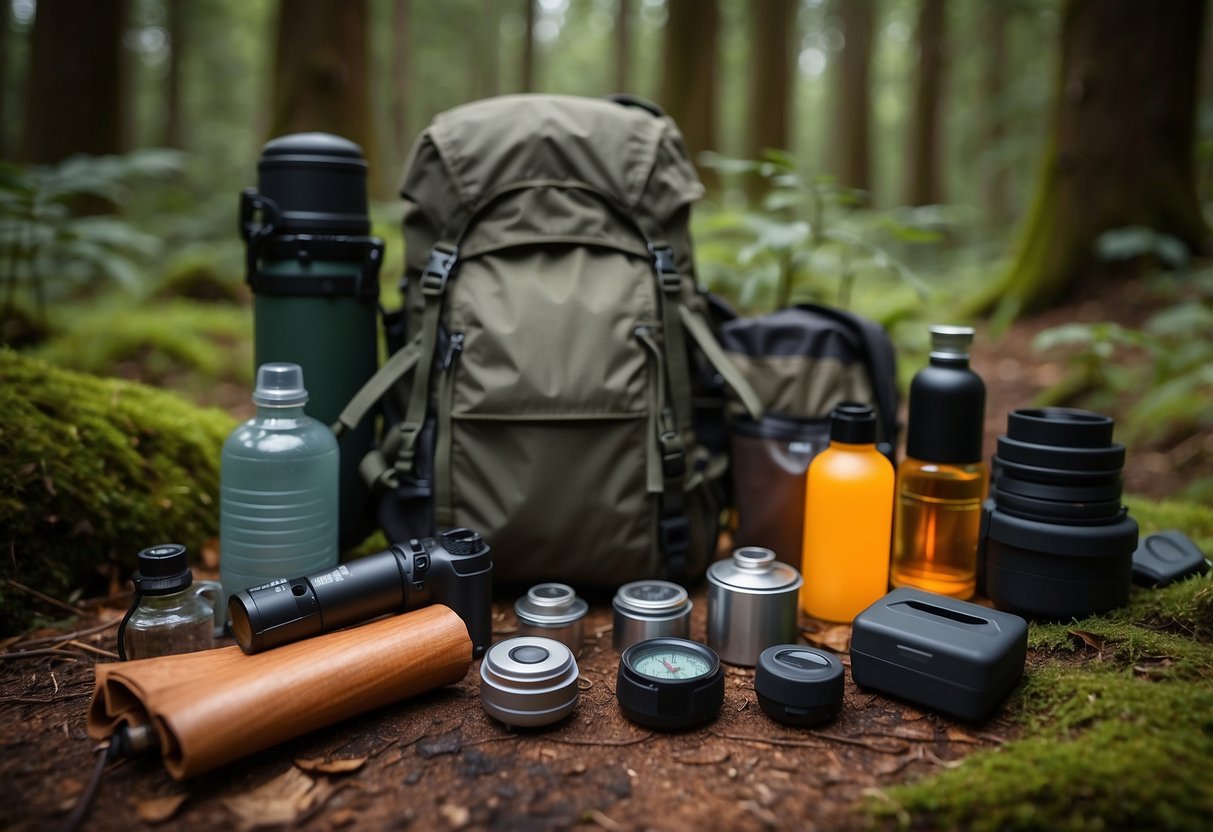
pixel 318 182
pixel 947 402
pixel 853 423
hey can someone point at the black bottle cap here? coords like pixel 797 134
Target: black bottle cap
pixel 163 570
pixel 462 541
pixel 947 402
pixel 853 423
pixel 798 685
pixel 318 183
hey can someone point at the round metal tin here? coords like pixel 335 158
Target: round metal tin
pixel 751 604
pixel 528 681
pixel 554 611
pixel 650 609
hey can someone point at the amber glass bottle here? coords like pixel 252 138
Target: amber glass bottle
pixel 848 518
pixel 942 482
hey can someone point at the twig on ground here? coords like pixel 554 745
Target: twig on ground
pixel 612 743
pixel 770 740
pixel 45 651
pixel 64 637
pixel 88 648
pixel 42 596
pixel 38 700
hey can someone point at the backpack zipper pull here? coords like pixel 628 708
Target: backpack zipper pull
pixel 454 347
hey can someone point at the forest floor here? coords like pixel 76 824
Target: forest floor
pixel 439 762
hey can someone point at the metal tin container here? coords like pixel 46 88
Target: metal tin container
pixel 553 611
pixel 528 681
pixel 650 609
pixel 751 604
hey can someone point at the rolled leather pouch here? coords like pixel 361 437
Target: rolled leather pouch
pixel 769 459
pixel 215 706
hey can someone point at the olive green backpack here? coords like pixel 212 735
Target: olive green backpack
pixel 554 346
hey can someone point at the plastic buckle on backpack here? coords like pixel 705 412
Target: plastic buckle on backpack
pixel 438 270
pixel 666 268
pixel 673 458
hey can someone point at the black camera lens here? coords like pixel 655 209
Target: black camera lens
pixel 1058 542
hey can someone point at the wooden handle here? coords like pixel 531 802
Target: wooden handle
pixel 212 707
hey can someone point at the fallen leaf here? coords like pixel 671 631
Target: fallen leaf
pixel 321 766
pixel 1093 641
pixel 159 809
pixel 282 800
pixel 957 735
pixel 836 637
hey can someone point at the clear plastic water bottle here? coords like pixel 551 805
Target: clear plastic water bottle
pixel 278 488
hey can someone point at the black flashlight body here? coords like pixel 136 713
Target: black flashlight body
pixel 454 569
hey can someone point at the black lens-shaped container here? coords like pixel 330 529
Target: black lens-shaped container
pixel 1058 542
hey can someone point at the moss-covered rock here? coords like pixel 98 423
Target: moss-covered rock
pixel 91 471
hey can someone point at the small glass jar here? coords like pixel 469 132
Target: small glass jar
pixel 170 613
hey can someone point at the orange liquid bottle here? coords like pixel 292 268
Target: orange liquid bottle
pixel 848 519
pixel 942 481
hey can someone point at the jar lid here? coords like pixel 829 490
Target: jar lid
pixel 754 569
pixel 550 605
pixel 279 384
pixel 651 598
pixel 162 570
pixel 800 677
pixel 528 681
pixel 948 341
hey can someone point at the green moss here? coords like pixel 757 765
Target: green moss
pixel 1117 720
pixel 94 470
pixel 182 344
pixel 1105 750
pixel 197 274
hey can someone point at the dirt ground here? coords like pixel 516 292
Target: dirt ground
pixel 439 762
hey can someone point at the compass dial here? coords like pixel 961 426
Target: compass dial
pixel 668 662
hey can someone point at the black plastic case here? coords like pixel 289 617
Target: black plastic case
pixel 951 656
pixel 1163 558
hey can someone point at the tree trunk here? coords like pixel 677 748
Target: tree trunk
pixel 770 91
pixel 993 34
pixel 852 102
pixel 5 34
pixel 623 44
pixel 402 52
pixel 178 12
pixel 924 174
pixel 320 76
pixel 528 49
pixel 689 75
pixel 1121 148
pixel 482 44
pixel 73 97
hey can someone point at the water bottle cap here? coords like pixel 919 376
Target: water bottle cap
pixel 280 385
pixel 163 569
pixel 949 341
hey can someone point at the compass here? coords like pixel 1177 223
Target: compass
pixel 670 683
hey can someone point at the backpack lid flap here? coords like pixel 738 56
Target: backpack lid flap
pixel 470 154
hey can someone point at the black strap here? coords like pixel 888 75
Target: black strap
pixel 122 627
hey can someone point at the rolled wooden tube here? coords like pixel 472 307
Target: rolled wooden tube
pixel 215 706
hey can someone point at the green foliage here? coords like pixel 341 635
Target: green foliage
pixel 50 245
pixel 1170 385
pixel 804 235
pixel 185 345
pixel 94 470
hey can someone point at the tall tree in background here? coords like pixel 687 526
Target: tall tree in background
pixel 992 33
pixel 1121 148
pixel 924 169
pixel 482 43
pixel 177 13
pixel 73 94
pixel 320 72
pixel 852 149
pixel 770 91
pixel 527 78
pixel 623 44
pixel 4 110
pixel 402 51
pixel 689 73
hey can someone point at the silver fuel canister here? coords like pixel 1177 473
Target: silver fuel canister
pixel 553 611
pixel 752 600
pixel 650 609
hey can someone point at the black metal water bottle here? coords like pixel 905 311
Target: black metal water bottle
pixel 314 271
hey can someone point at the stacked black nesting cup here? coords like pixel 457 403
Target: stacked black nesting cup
pixel 1058 544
